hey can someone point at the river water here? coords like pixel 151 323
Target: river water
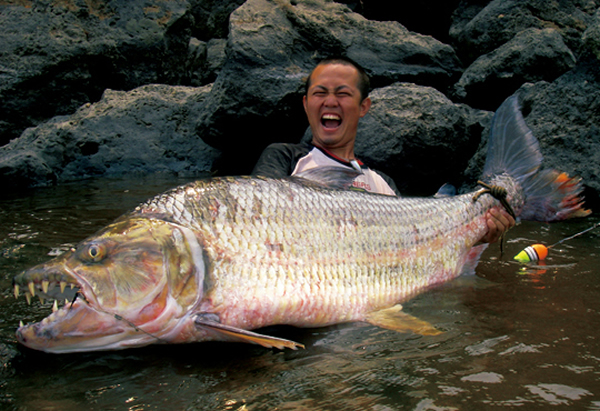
pixel 524 337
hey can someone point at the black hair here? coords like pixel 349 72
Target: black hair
pixel 364 84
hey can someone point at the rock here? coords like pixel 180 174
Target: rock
pixel 146 130
pixel 565 117
pixel 56 56
pixel 205 60
pixel 591 37
pixel 212 17
pixel 429 17
pixel 478 30
pixel 532 55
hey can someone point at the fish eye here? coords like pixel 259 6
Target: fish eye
pixel 95 252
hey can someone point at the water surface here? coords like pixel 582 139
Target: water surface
pixel 525 337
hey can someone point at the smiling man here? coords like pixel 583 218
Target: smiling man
pixel 336 99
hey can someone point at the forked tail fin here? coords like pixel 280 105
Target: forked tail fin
pixel 512 149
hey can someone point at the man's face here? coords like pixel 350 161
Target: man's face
pixel 333 106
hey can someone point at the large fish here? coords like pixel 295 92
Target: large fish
pixel 214 259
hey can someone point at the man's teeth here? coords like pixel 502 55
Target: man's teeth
pixel 331 117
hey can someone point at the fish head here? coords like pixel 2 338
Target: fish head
pixel 129 285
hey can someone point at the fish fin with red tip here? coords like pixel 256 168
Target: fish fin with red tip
pixel 513 149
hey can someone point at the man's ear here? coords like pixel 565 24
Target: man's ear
pixel 304 102
pixel 365 105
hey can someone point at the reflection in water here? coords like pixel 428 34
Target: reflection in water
pixel 514 335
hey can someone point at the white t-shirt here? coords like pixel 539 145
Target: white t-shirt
pixel 369 180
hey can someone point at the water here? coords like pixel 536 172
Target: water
pixel 514 336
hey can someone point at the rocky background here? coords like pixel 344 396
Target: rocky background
pixel 104 88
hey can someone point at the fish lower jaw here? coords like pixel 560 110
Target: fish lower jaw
pixel 57 314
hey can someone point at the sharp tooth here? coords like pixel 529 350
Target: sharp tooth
pixel 55 306
pixel 63 284
pixel 31 288
pixel 21 324
pixel 45 284
pixel 16 291
pixel 66 301
pixel 72 286
pixel 28 298
pixel 41 299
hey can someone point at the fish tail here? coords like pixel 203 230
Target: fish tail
pixel 548 195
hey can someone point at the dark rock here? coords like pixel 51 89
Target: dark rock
pixel 479 29
pixel 205 60
pixel 532 55
pixel 591 38
pixel 419 137
pixel 565 117
pixel 146 130
pixel 57 56
pixel 212 17
pixel 429 17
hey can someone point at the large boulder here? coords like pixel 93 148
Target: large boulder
pixel 56 56
pixel 480 27
pixel 532 55
pixel 147 130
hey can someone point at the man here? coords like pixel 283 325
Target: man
pixel 336 99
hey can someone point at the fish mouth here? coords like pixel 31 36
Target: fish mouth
pixel 61 330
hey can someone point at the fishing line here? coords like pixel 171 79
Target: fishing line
pixel 117 317
pixel 575 235
pixel 537 252
pixel 132 325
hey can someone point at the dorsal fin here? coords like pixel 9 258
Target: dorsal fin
pixel 446 190
pixel 337 178
pixel 512 148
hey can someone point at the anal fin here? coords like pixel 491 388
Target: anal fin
pixel 395 319
pixel 245 335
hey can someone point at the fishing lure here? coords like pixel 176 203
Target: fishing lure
pixel 538 252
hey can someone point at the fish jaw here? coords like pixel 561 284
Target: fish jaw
pixel 74 328
pixel 132 284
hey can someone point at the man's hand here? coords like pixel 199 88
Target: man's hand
pixel 498 221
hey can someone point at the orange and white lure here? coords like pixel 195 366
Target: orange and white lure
pixel 538 252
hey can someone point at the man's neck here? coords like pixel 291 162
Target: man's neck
pixel 342 153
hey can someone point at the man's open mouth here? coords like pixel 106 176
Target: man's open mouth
pixel 331 121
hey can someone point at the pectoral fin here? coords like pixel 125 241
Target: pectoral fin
pixel 395 319
pixel 245 335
